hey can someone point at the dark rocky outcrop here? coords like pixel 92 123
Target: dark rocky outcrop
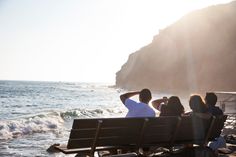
pixel 197 53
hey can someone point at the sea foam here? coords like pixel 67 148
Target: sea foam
pixel 51 121
pixel 37 124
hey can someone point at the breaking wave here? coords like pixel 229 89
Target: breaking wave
pixel 52 121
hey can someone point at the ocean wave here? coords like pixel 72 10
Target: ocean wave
pixel 80 113
pixel 50 121
pixel 90 113
pixel 24 126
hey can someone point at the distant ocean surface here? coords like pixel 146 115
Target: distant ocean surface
pixel 35 115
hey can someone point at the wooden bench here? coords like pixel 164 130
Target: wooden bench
pixel 90 135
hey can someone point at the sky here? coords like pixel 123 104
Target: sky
pixel 80 40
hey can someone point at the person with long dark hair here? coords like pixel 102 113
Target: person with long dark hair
pixel 169 107
pixel 198 106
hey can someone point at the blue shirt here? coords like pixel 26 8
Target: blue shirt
pixel 138 109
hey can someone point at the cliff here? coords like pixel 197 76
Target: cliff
pixel 197 53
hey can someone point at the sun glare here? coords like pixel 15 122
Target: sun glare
pixel 81 40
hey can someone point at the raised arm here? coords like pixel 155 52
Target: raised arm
pixel 157 103
pixel 125 96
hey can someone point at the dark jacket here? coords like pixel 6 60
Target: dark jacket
pixel 214 110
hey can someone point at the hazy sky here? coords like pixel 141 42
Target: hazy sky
pixel 80 40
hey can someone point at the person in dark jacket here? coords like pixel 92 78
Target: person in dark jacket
pixel 211 100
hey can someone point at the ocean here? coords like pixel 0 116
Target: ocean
pixel 35 115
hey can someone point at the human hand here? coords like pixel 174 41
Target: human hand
pixel 165 99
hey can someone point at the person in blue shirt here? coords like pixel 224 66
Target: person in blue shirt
pixel 141 108
pixel 211 100
pixel 138 109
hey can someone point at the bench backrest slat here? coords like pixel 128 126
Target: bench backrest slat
pixel 107 122
pixel 112 131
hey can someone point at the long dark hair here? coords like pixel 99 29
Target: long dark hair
pixel 197 104
pixel 173 108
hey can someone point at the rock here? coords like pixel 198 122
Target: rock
pixel 195 54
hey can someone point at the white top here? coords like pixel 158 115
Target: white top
pixel 138 109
